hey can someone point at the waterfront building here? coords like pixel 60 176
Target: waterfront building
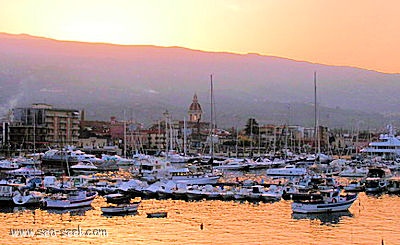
pixel 41 125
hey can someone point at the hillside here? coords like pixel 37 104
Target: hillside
pixel 144 81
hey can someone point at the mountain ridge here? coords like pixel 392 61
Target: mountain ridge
pixel 107 79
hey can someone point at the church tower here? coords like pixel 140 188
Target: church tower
pixel 195 111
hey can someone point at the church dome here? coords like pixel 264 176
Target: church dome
pixel 195 111
pixel 195 106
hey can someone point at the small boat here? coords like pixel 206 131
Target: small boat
pixel 73 198
pixel 394 185
pixel 117 198
pixel 121 209
pixel 354 186
pixel 332 202
pixel 8 165
pixel 28 198
pixel 376 181
pixel 160 214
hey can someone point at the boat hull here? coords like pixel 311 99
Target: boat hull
pixel 121 209
pixel 67 204
pixel 309 207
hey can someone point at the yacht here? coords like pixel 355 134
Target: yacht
pixel 388 145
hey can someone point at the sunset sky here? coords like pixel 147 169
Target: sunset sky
pixel 360 33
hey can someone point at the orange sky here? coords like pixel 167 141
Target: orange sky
pixel 360 33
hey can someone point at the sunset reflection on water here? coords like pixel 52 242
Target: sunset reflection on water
pixel 369 221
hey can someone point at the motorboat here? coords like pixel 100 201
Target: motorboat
pixel 121 209
pixel 84 166
pixel 354 172
pixel 25 171
pixel 376 180
pixel 232 164
pixel 289 170
pixel 8 165
pixel 260 193
pixel 332 202
pixel 184 175
pixel 71 198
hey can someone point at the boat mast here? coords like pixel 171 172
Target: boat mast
pixel 124 135
pixel 34 134
pixel 166 114
pixel 316 133
pixel 184 136
pixel 212 122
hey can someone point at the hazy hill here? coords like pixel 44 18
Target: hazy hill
pixel 144 81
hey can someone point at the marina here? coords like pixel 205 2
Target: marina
pixel 232 205
pixel 223 222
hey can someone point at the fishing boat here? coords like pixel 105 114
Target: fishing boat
pixel 332 202
pixel 71 198
pixel 121 209
pixel 160 214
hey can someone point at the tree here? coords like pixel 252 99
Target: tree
pixel 252 127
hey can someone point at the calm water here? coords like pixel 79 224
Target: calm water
pixel 369 221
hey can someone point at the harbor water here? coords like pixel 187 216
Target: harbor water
pixel 370 220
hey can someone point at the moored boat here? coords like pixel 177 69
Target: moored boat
pixel 332 202
pixel 289 170
pixel 28 198
pixel 117 198
pixel 160 214
pixel 84 166
pixel 73 198
pixel 120 209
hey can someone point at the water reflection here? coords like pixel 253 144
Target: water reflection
pixel 325 218
pixel 15 209
pixel 73 212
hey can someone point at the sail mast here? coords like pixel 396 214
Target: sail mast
pixel 212 121
pixel 316 133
